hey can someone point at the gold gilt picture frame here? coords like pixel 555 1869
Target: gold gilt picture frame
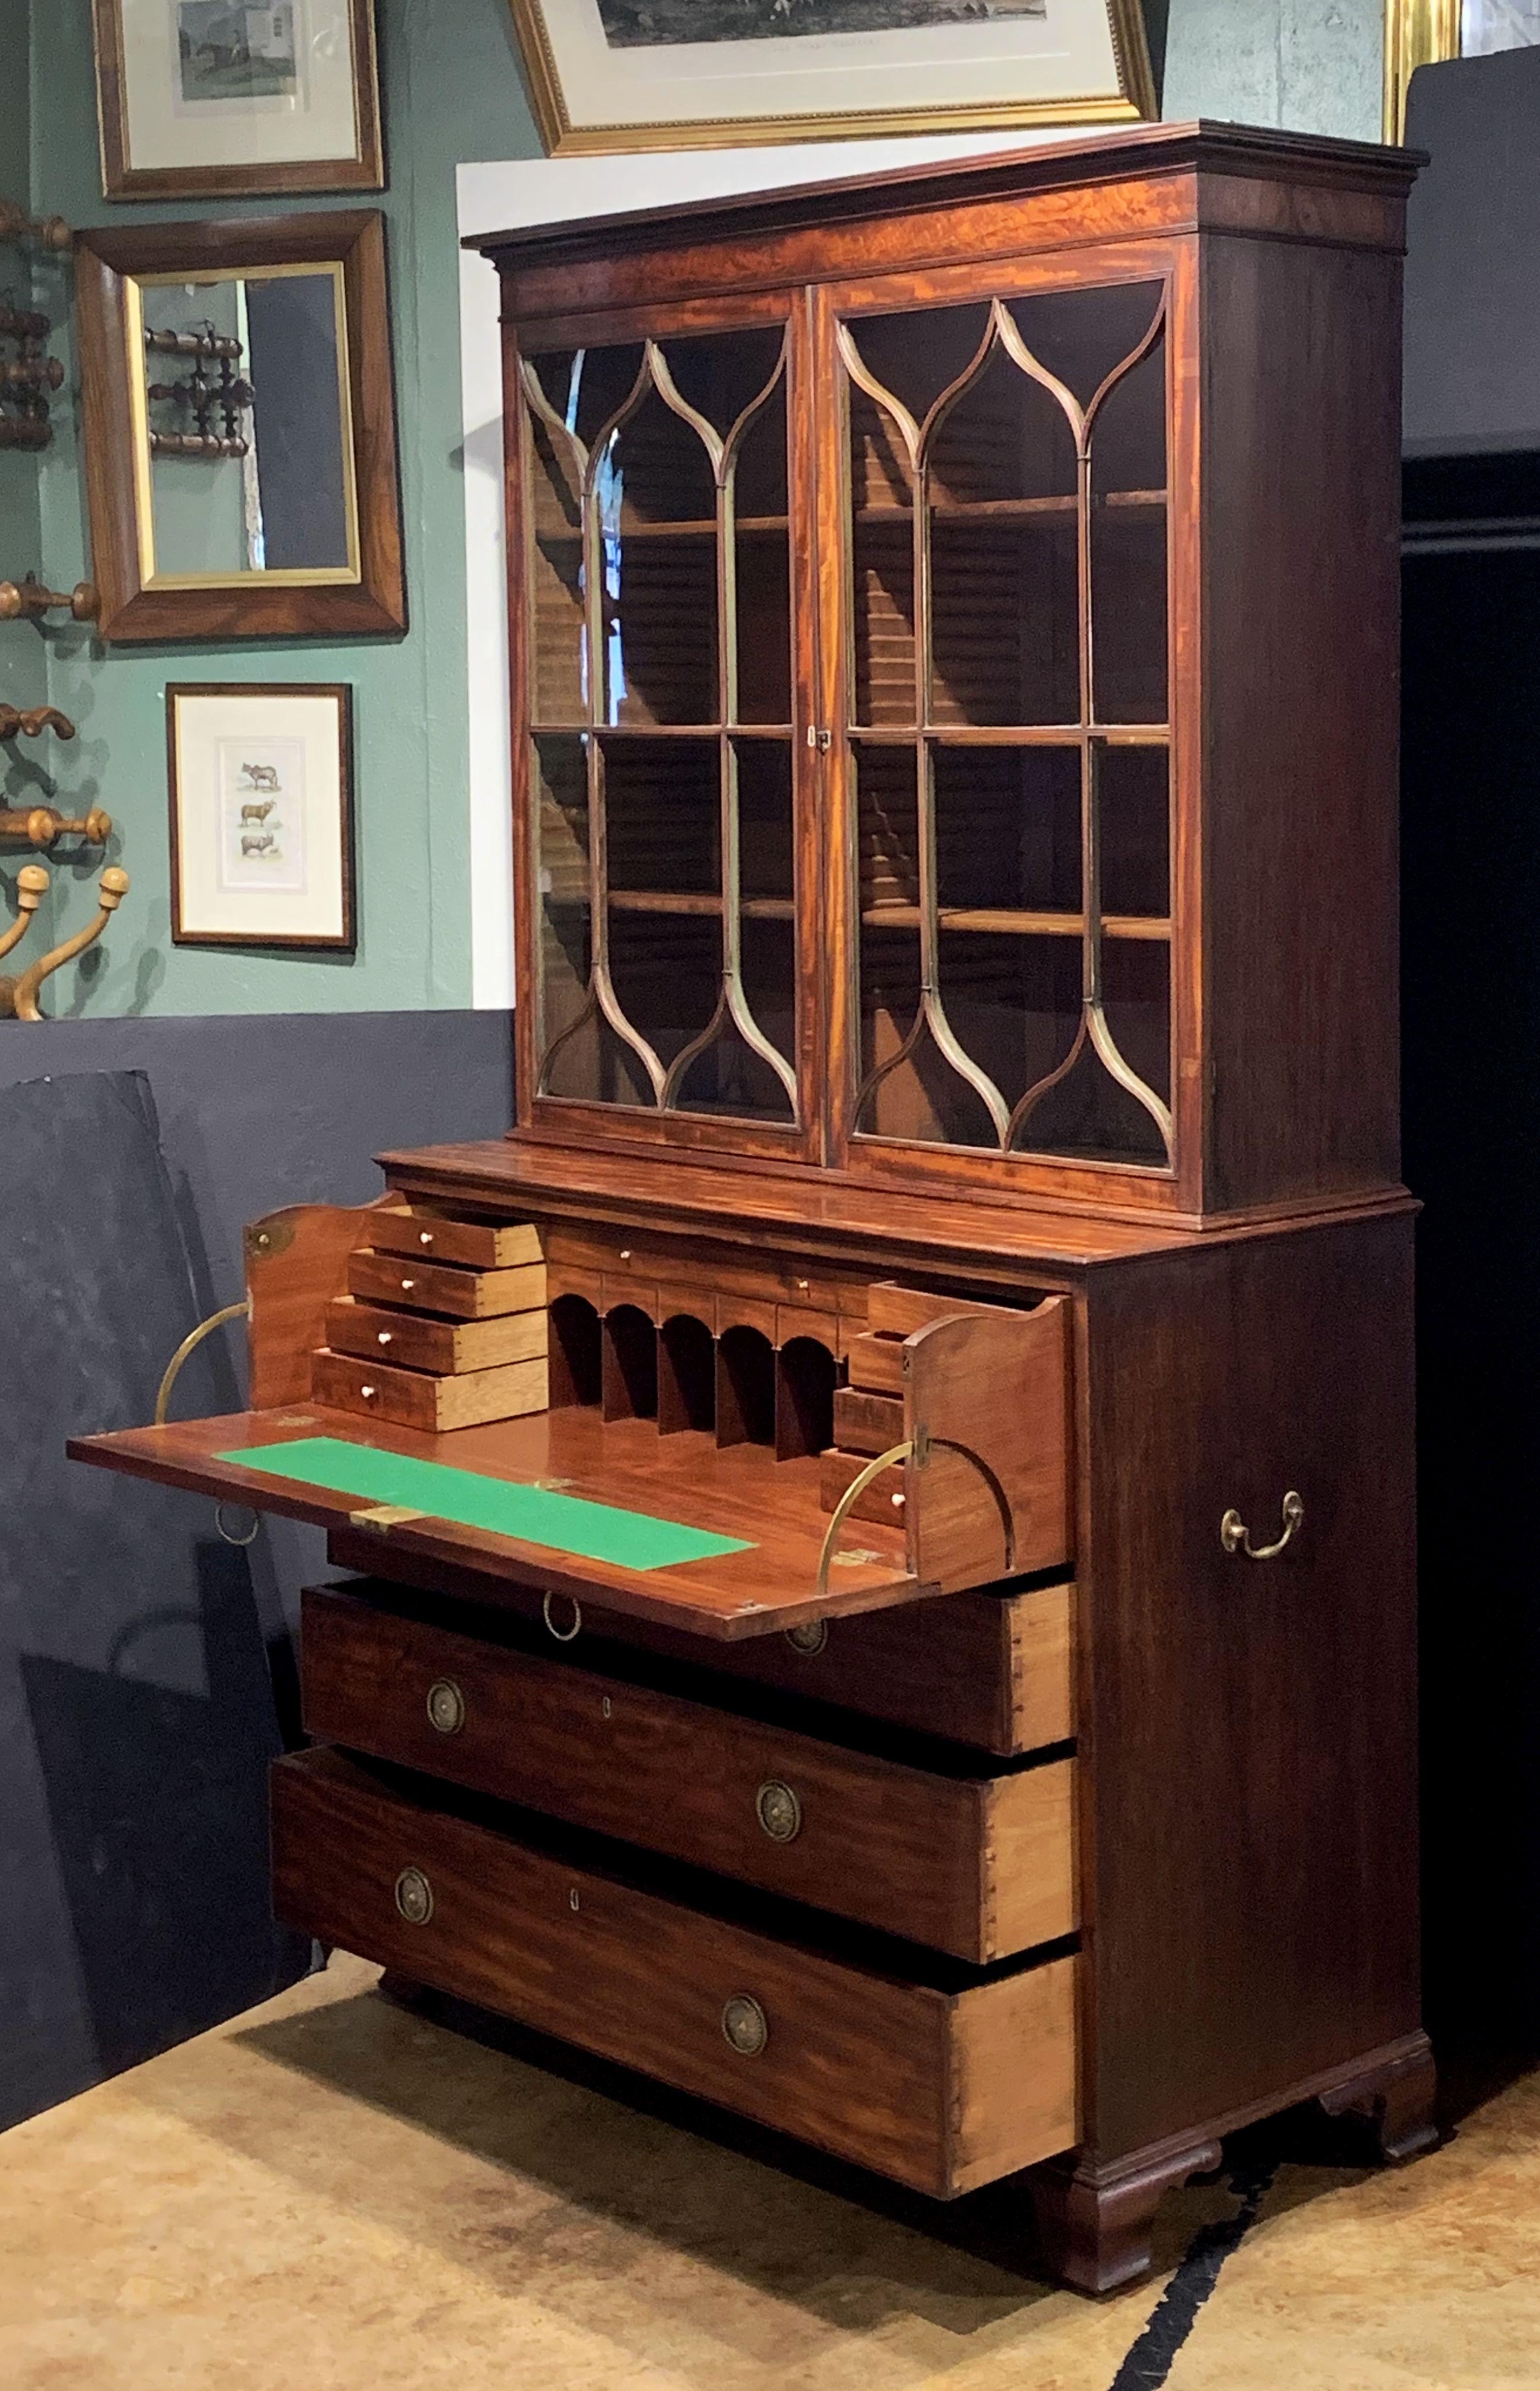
pixel 1417 33
pixel 698 74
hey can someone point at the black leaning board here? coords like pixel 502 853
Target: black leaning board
pixel 136 1713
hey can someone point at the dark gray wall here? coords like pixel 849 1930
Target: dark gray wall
pixel 262 1110
pixel 1472 370
pixel 145 1668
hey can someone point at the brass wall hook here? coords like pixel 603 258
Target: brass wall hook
pixel 41 825
pixel 30 722
pixel 32 887
pixel 18 996
pixel 41 232
pixel 30 599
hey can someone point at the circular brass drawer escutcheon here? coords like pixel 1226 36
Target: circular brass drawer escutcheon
pixel 746 2026
pixel 779 1811
pixel 445 1706
pixel 809 1640
pixel 414 1896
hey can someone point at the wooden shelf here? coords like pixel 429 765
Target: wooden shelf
pixel 668 901
pixel 1011 509
pixel 782 730
pixel 1014 734
pixel 1000 921
pixel 699 527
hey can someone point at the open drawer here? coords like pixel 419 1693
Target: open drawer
pixel 683 1470
pixel 938 2075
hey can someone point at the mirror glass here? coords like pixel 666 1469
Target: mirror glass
pixel 243 440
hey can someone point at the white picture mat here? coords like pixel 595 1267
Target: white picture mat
pixel 1068 53
pixel 319 123
pixel 500 197
pixel 206 727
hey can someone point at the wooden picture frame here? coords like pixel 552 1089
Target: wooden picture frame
pixel 256 751
pixel 593 67
pixel 141 122
pixel 137 602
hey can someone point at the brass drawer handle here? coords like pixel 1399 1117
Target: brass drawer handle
pixel 779 1811
pixel 1236 1536
pixel 746 2026
pixel 424 1237
pixel 414 1896
pixel 809 1638
pixel 445 1706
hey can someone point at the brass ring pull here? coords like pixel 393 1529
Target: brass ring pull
pixel 240 1542
pixel 1236 1536
pixel 848 1501
pixel 574 1631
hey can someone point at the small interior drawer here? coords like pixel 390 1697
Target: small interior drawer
pixel 978 1864
pixel 693 1271
pixel 413 1341
pixel 942 2083
pixel 446 1287
pixel 411 1399
pixel 431 1236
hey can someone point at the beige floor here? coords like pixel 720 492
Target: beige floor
pixel 330 2192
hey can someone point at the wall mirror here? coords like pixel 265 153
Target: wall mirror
pixel 240 428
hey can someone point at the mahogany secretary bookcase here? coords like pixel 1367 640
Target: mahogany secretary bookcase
pixel 914 1640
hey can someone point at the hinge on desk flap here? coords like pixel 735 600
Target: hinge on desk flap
pixel 384 1515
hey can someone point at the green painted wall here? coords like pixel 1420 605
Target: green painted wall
pixel 452 93
pixel 21 684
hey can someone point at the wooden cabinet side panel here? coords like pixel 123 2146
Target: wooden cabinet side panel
pixel 1250 1764
pixel 297 1262
pixel 1301 503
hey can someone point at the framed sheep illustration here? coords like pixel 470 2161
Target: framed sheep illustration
pixel 683 74
pixel 261 783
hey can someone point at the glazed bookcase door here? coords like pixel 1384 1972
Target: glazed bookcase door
pixel 667 987
pixel 1000 679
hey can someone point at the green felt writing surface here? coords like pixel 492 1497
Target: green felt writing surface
pixel 564 1523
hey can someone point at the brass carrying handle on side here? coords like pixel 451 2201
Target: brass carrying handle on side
pixel 1236 1536
pixel 846 1503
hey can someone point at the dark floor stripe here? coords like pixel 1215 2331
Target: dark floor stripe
pixel 1154 2353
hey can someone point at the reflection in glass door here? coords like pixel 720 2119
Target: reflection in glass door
pixel 1007 669
pixel 658 615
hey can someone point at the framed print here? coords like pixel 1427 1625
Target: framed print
pixel 261 783
pixel 201 98
pixel 1423 32
pixel 677 74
